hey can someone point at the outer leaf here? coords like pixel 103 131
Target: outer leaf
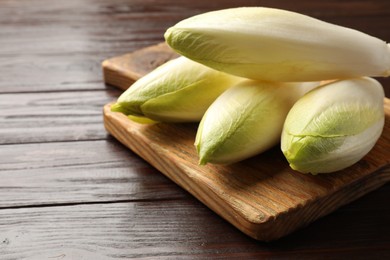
pixel 334 126
pixel 277 45
pixel 178 91
pixel 245 120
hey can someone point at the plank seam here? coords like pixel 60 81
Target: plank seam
pixel 152 200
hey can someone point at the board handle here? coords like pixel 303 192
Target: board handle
pixel 124 70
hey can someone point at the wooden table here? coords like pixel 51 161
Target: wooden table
pixel 68 190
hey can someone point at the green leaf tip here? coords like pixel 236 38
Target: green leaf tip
pixel 117 108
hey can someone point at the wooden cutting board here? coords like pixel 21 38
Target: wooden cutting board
pixel 261 196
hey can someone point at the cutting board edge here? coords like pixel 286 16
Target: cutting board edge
pixel 265 230
pixel 322 205
pixel 123 70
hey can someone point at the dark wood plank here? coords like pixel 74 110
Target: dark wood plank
pixel 60 46
pixel 78 172
pixel 28 73
pixel 54 116
pixel 181 229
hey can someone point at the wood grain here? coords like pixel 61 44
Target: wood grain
pixel 55 116
pixel 78 172
pixel 181 229
pixel 261 196
pixel 60 46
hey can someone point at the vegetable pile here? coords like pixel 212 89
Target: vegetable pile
pixel 255 77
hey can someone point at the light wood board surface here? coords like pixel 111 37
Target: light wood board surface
pixel 261 196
